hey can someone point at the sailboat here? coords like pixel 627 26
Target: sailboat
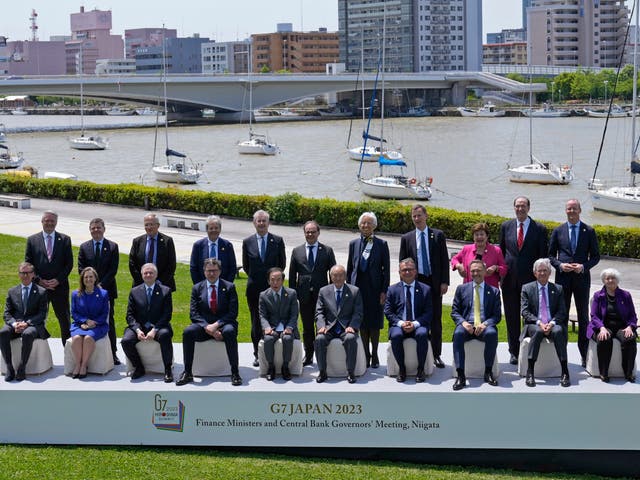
pixel 176 169
pixel 3 133
pixel 85 142
pixel 9 160
pixel 623 199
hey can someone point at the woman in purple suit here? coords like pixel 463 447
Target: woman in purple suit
pixel 90 314
pixel 613 316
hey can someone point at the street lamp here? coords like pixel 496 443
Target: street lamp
pixel 553 84
pixel 606 82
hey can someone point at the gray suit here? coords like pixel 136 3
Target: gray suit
pixel 279 314
pixel 336 320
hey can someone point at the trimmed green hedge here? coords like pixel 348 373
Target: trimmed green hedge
pixel 292 208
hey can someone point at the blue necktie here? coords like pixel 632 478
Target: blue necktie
pixel 25 299
pixel 97 255
pixel 574 238
pixel 311 260
pixel 212 251
pixel 152 248
pixel 149 294
pixel 407 304
pixel 337 328
pixel 426 270
pixel 263 249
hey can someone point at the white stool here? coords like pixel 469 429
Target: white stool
pixel 210 359
pixel 547 364
pixel 151 356
pixel 40 359
pixel 100 362
pixel 615 366
pixel 410 359
pixel 295 365
pixel 474 361
pixel 337 359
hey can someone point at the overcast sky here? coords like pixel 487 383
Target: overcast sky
pixel 220 20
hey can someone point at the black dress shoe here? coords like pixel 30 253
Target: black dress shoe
pixel 256 363
pixel 20 374
pixel 402 375
pixel 420 376
pixel 322 377
pixel 630 378
pixel 271 373
pixel 604 378
pixel 307 361
pixel 368 362
pixel 351 378
pixel 460 383
pixel 168 375
pixel 513 360
pixel 584 363
pixel 438 362
pixel 236 380
pixel 137 373
pixel 116 360
pixel 564 380
pixel 75 375
pixel 10 375
pixel 531 381
pixel 375 363
pixel 286 374
pixel 82 375
pixel 490 379
pixel 185 378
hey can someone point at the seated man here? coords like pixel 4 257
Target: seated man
pixel 476 311
pixel 278 307
pixel 409 311
pixel 545 315
pixel 149 318
pixel 214 314
pixel 25 313
pixel 338 315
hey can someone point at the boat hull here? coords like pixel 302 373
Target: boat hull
pixel 541 175
pixel 620 200
pixel 88 143
pixel 252 147
pixel 390 188
pixel 372 154
pixel 174 173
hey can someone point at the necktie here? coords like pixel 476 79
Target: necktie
pixel 49 247
pixel 520 235
pixel 25 299
pixel 212 251
pixel 338 298
pixel 152 242
pixel 544 317
pixel 574 238
pixel 149 295
pixel 426 270
pixel 337 328
pixel 407 303
pixel 213 300
pixel 97 254
pixel 477 320
pixel 263 248
pixel 311 260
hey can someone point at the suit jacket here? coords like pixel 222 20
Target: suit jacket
pixel 37 308
pixel 143 316
pixel 520 262
pixel 422 307
pixel 438 255
pixel 107 268
pixel 492 255
pixel 61 262
pixel 529 305
pixel 227 301
pixel 165 259
pixel 462 308
pixel 273 312
pixel 587 251
pixel 305 280
pixel 624 304
pixel 254 266
pixel 377 272
pixel 226 255
pixel 350 312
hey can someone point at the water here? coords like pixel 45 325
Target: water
pixel 467 157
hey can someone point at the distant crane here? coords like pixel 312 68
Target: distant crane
pixel 34 25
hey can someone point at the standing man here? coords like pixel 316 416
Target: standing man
pixel 153 247
pixel 52 258
pixel 25 313
pixel 214 314
pixel 522 241
pixel 149 318
pixel 409 312
pixel 545 316
pixel 574 251
pixel 279 319
pixel 260 252
pixel 476 312
pixel 428 249
pixel 308 273
pixel 338 315
pixel 213 247
pixel 104 257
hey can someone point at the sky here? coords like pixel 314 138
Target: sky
pixel 220 20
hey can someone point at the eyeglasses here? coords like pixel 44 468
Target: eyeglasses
pixel 407 270
pixel 212 270
pixel 25 273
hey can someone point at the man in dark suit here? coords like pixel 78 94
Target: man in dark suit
pixel 428 249
pixel 279 320
pixel 409 311
pixel 544 313
pixel 103 255
pixel 476 312
pixel 213 246
pixel 308 273
pixel 574 251
pixel 149 318
pixel 338 315
pixel 260 252
pixel 25 313
pixel 50 254
pixel 214 314
pixel 153 247
pixel 522 241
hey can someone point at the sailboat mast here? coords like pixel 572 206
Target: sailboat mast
pixel 530 108
pixel 81 69
pixel 384 32
pixel 249 66
pixel 635 93
pixel 164 89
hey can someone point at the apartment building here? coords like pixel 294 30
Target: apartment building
pixel 135 38
pixel 511 53
pixel 225 57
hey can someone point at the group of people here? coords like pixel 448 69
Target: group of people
pixel 333 301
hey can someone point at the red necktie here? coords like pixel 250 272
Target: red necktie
pixel 213 301
pixel 520 236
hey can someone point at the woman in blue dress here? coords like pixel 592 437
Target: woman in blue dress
pixel 90 313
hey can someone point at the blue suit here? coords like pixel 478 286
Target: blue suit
pixel 225 253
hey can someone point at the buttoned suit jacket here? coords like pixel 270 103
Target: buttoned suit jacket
pixel 273 312
pixel 520 262
pixel 462 308
pixel 107 268
pixel 530 306
pixel 61 262
pixel 165 259
pixel 587 252
pixel 377 272
pixel 423 308
pixel 225 253
pixel 227 304
pixel 303 278
pixel 36 312
pixel 350 312
pixel 158 313
pixel 438 255
pixel 253 265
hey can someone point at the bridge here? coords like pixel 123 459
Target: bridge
pixel 230 92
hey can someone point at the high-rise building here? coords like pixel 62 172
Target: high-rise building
pixel 225 57
pixel 135 38
pixel 25 57
pixel 525 4
pixel 183 55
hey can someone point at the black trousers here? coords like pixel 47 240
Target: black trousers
pixel 164 337
pixel 7 333
pixel 628 347
pixel 59 299
pixel 308 317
